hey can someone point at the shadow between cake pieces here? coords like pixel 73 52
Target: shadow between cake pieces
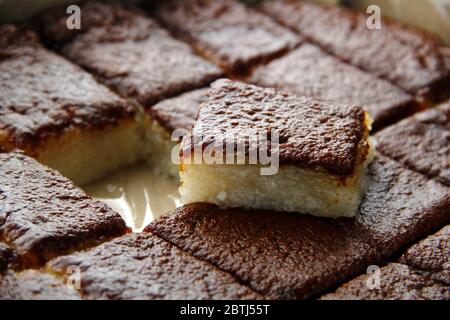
pixel 254 147
pixel 58 113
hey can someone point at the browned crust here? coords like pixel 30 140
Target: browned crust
pixel 34 285
pixel 421 142
pixel 44 215
pixel 227 32
pixel 44 96
pixel 423 273
pixel 312 134
pixel 179 112
pixel 146 267
pixel 308 71
pixel 405 56
pixel 141 71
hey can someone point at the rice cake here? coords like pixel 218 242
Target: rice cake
pixel 42 214
pixel 142 266
pixel 59 114
pixel 408 58
pixel 274 252
pixel 227 32
pixel 323 152
pixel 129 52
pixel 308 71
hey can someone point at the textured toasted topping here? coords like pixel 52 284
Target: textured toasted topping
pixel 226 31
pixel 406 57
pixel 7 256
pixel 423 273
pixel 42 214
pixel 130 52
pixel 312 134
pixel 431 255
pixel 43 95
pixel 397 282
pixel 308 71
pixel 421 142
pixel 143 266
pixel 34 285
pixel 179 112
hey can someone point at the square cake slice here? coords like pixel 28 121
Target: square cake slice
pixel 409 58
pixel 143 266
pixel 254 147
pixel 129 51
pixel 227 32
pixel 309 71
pixel 59 114
pixel 43 214
pixel 421 142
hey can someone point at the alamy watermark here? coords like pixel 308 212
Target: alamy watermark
pixel 374 279
pixel 73 22
pixel 74 277
pixel 373 22
pixel 250 147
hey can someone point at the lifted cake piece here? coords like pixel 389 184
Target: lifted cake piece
pixel 59 114
pixel 233 159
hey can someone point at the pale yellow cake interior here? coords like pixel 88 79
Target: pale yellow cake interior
pixel 291 189
pixel 86 155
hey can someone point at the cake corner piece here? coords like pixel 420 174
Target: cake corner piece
pixel 288 153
